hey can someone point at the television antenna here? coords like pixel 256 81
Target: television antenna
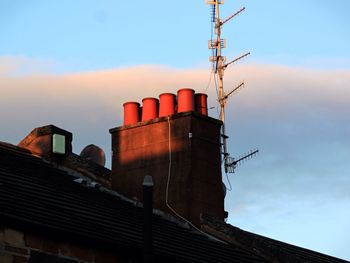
pixel 216 44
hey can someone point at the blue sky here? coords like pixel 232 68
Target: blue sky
pixel 88 35
pixel 73 64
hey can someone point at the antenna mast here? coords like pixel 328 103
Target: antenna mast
pixel 219 66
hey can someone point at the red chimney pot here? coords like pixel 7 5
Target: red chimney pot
pixel 185 100
pixel 167 104
pixel 149 108
pixel 201 103
pixel 131 112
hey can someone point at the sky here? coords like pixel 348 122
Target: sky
pixel 74 63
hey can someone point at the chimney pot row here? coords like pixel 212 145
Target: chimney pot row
pixel 153 108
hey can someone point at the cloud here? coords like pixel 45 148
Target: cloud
pixel 279 107
pixel 18 65
pixel 298 117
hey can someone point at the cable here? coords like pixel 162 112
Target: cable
pixel 217 94
pixel 229 183
pixel 169 167
pixel 209 82
pixel 216 85
pixel 168 183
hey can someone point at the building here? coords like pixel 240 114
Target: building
pixel 57 206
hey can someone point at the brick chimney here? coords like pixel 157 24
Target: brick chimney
pixel 182 154
pixel 49 142
pixel 55 146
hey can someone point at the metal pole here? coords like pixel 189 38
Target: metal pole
pixel 220 72
pixel 147 226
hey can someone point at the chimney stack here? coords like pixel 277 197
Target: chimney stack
pixel 49 142
pixel 182 152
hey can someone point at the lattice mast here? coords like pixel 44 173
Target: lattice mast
pixel 216 44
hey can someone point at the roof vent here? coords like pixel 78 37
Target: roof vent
pixel 94 154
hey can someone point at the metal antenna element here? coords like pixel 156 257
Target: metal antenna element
pixel 236 59
pixel 226 96
pixel 232 163
pixel 216 44
pixel 232 16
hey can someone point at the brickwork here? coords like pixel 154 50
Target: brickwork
pixel 17 247
pixel 12 246
pixel 195 162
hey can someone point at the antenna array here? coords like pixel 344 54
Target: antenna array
pixel 216 44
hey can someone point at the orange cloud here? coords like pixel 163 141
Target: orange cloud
pixel 95 98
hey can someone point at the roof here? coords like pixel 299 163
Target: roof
pixel 37 194
pixel 270 249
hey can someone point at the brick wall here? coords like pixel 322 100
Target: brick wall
pixel 20 247
pixel 196 182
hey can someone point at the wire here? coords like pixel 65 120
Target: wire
pixel 168 184
pixel 209 82
pixel 217 94
pixel 216 85
pixel 229 183
pixel 169 167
